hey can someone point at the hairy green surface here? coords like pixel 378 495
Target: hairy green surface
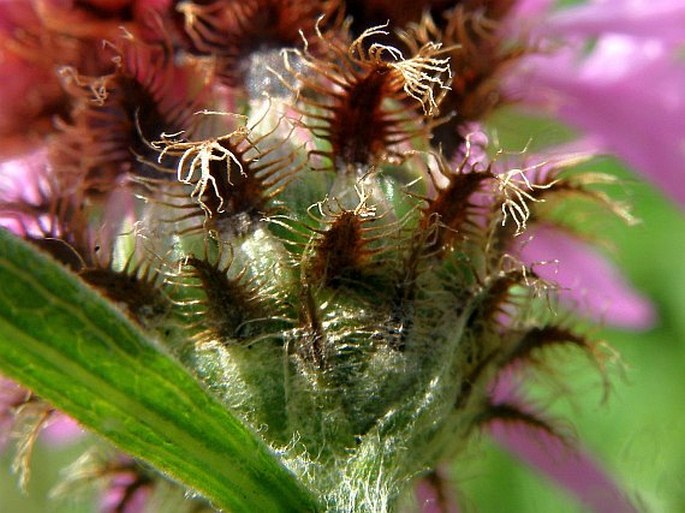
pixel 62 340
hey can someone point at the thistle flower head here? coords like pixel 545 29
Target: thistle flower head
pixel 347 271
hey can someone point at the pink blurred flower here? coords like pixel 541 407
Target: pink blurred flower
pixel 627 92
pixel 11 395
pixel 23 192
pixel 586 279
pixel 58 428
pixel 61 430
pixel 567 465
pixel 127 491
pixel 562 461
pixel 435 495
pixel 654 19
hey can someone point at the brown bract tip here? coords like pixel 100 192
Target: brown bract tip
pixel 113 116
pixel 228 31
pixel 456 208
pixel 236 174
pixel 139 291
pixel 364 100
pixel 233 308
pixel 347 246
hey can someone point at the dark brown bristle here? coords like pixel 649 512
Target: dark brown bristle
pixel 142 296
pixel 400 322
pixel 229 302
pixel 537 339
pixel 477 374
pixel 311 346
pixel 342 251
pixel 56 221
pixel 498 295
pixel 401 319
pixel 230 31
pixel 513 414
pixel 453 208
pixel 60 251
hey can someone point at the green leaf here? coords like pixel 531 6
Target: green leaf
pixel 64 341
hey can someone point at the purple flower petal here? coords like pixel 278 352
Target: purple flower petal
pixel 568 465
pixel 587 280
pixel 127 491
pixel 23 178
pixel 628 93
pixel 23 182
pixel 11 395
pixel 123 491
pixel 61 430
pixel 434 495
pixel 661 19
